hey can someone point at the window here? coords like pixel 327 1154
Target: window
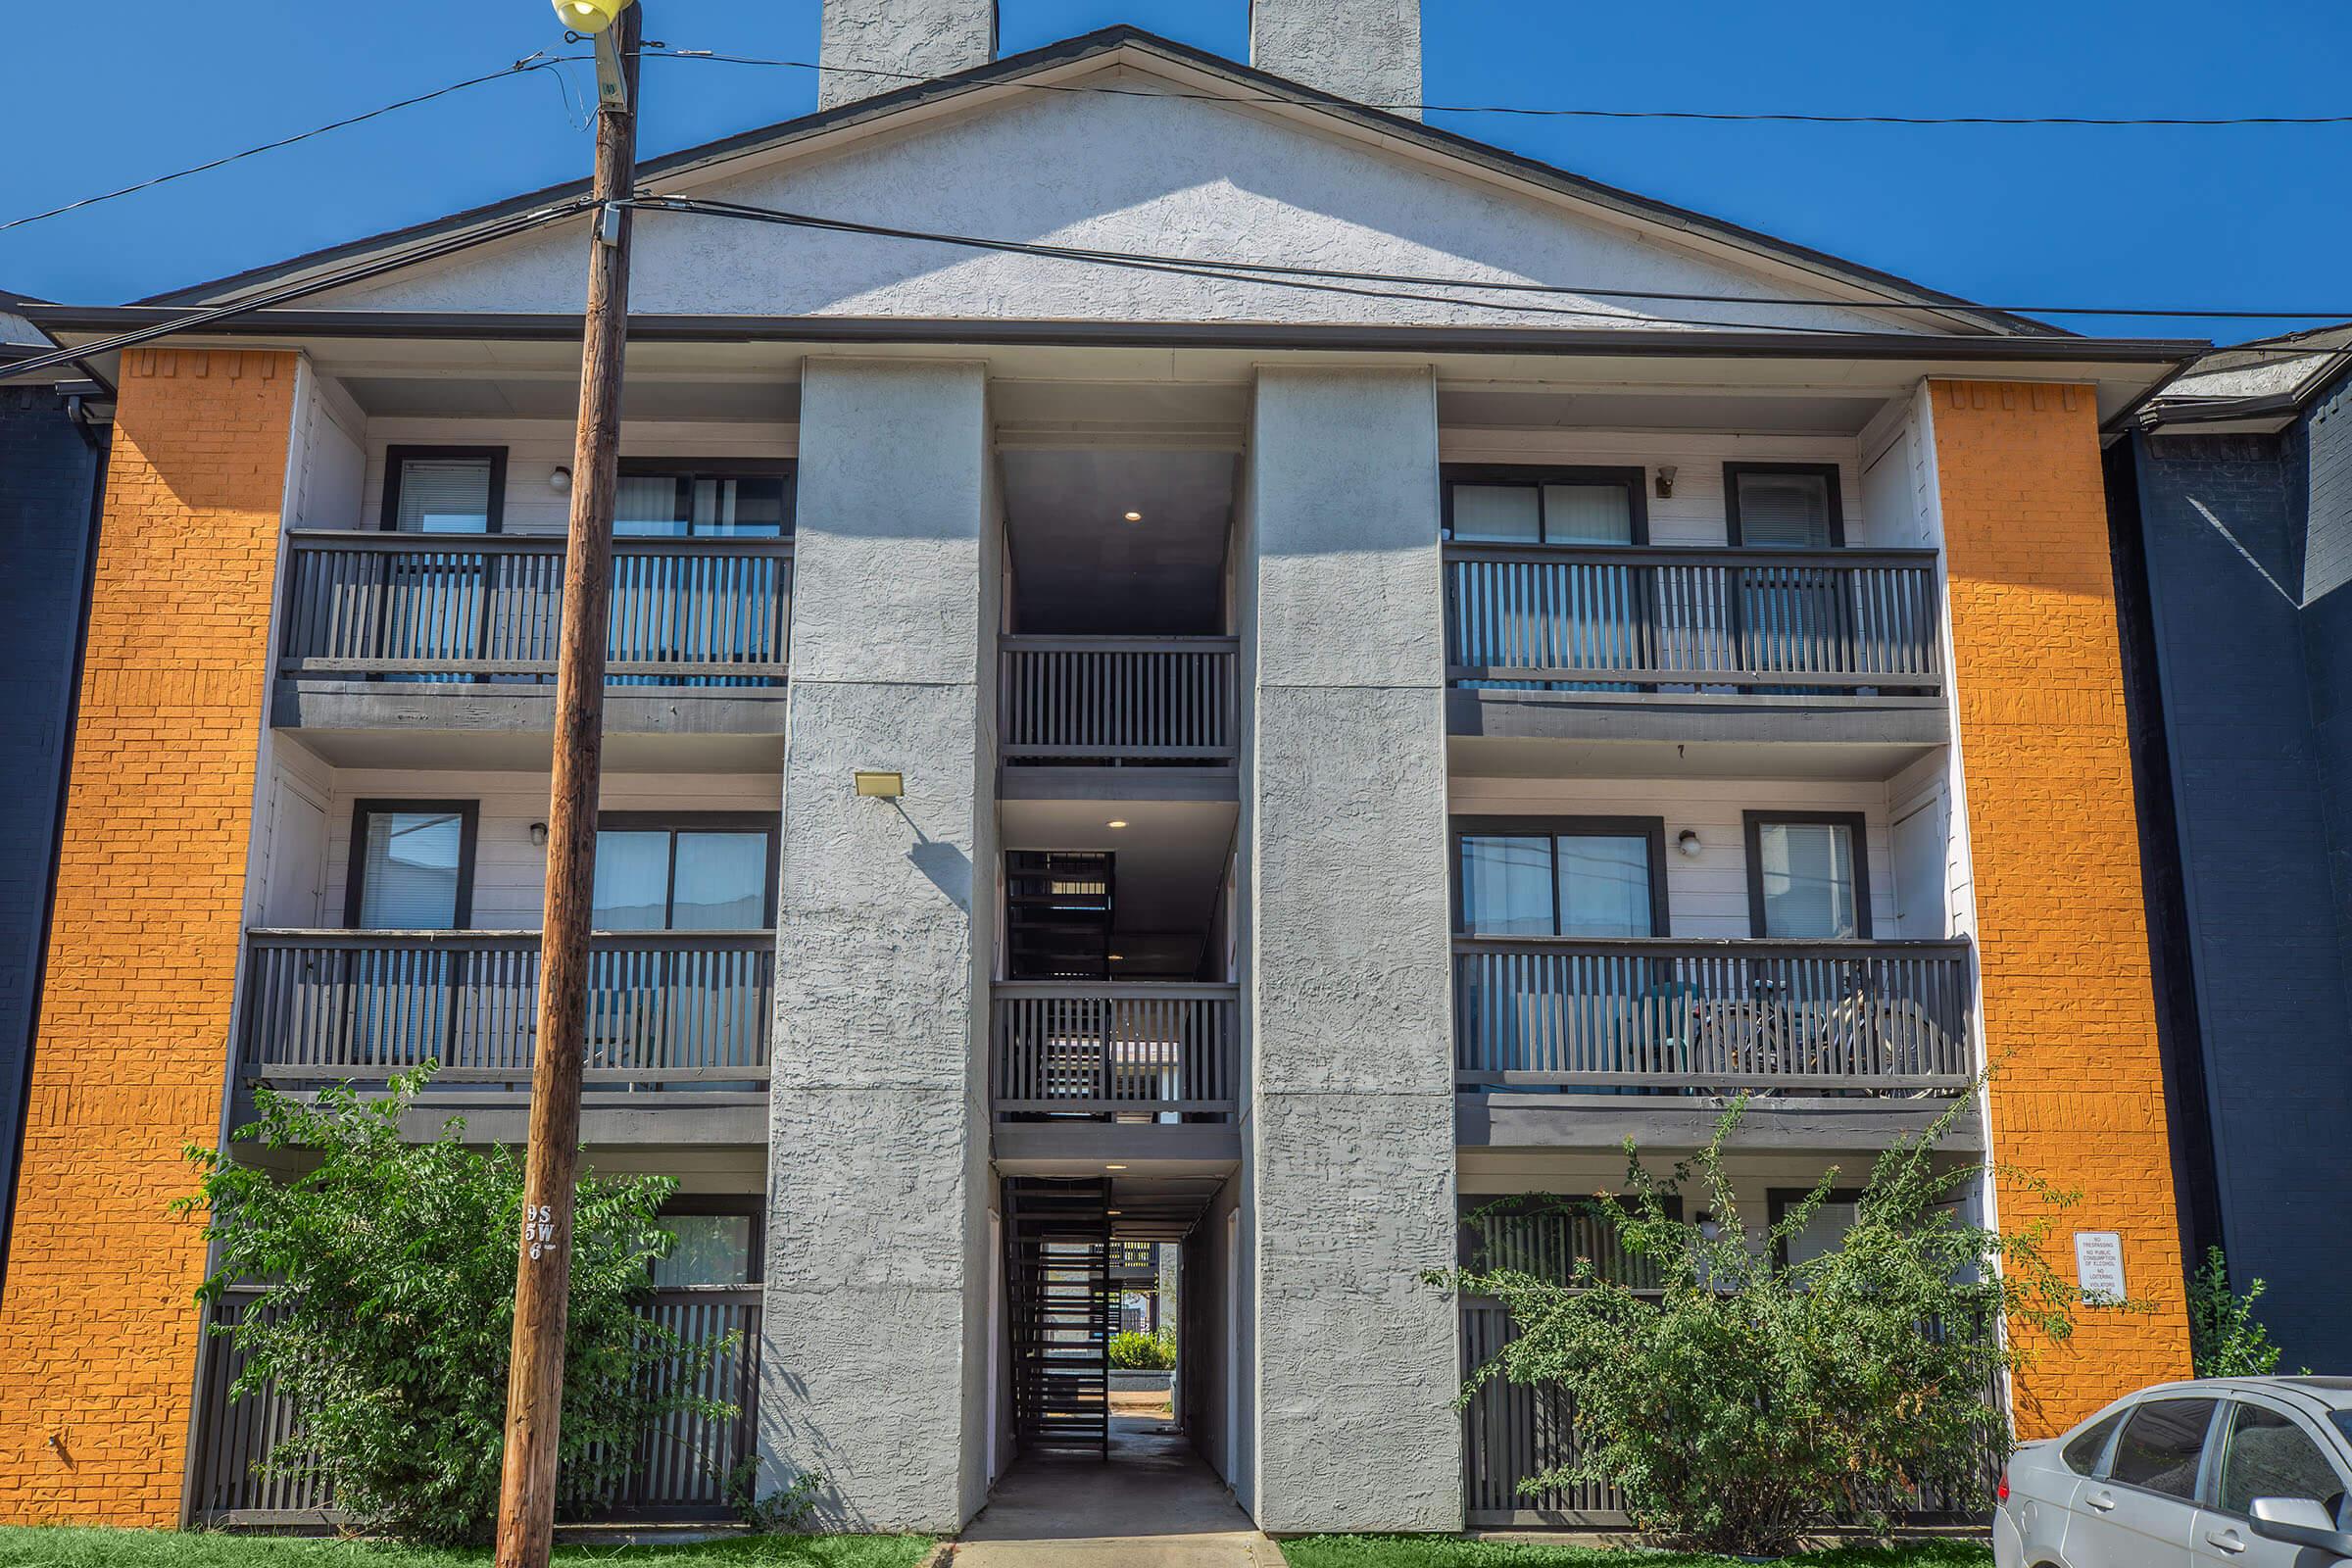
pixel 2083 1454
pixel 1525 506
pixel 1808 877
pixel 716 1242
pixel 444 489
pixel 412 866
pixel 683 874
pixel 2161 1442
pixel 1576 878
pixel 735 497
pixel 1824 1231
pixel 2270 1456
pixel 1783 506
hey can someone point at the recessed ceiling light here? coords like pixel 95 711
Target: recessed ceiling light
pixel 1116 822
pixel 1135 517
pixel 1112 1212
pixel 1115 1167
pixel 1118 957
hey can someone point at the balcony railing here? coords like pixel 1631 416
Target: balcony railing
pixel 683 1462
pixel 1114 1051
pixel 1661 1013
pixel 1117 700
pixel 685 612
pixel 1608 618
pixel 667 1010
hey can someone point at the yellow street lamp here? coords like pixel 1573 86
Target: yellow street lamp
pixel 590 17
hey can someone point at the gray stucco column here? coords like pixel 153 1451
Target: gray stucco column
pixel 1352 1136
pixel 872 1334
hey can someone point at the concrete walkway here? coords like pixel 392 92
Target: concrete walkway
pixel 1153 1506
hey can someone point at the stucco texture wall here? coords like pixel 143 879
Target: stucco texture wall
pixel 2077 1095
pixel 97 1334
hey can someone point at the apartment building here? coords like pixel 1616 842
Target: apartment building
pixel 2231 500
pixel 1352 752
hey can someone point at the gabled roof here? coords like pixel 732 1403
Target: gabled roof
pixel 1219 78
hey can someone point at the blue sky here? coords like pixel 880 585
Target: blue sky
pixel 100 95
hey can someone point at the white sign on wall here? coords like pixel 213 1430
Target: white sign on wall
pixel 2099 1267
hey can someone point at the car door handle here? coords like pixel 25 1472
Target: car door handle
pixel 2227 1540
pixel 2101 1500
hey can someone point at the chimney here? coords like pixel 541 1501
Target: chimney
pixel 899 42
pixel 1365 50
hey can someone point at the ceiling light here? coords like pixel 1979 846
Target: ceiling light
pixel 1116 822
pixel 1135 517
pixel 1118 957
pixel 1112 1212
pixel 1115 1167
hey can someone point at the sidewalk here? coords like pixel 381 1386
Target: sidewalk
pixel 1152 1505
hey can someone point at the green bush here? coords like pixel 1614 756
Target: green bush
pixel 1144 1352
pixel 389 1272
pixel 2224 1340
pixel 1741 1403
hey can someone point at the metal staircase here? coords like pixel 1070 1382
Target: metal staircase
pixel 1058 1235
pixel 1057 914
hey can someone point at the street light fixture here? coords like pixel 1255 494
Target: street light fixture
pixel 590 17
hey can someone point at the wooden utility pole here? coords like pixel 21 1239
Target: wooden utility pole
pixel 526 1494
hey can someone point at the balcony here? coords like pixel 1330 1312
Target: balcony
pixel 1148 1069
pixel 1634 644
pixel 419 632
pixel 1117 717
pixel 677 1020
pixel 1866 1037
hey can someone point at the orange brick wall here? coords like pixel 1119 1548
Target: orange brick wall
pixel 97 1334
pixel 2077 1096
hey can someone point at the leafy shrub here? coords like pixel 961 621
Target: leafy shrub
pixel 389 1271
pixel 1144 1352
pixel 1742 1402
pixel 2224 1340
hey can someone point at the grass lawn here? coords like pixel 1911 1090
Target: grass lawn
pixel 1426 1552
pixel 154 1549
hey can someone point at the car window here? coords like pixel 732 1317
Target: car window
pixel 2160 1447
pixel 2082 1454
pixel 2270 1456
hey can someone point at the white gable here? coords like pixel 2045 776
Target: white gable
pixel 1154 172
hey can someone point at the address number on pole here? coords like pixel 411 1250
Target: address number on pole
pixel 538 1230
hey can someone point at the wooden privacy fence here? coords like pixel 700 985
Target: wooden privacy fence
pixel 665 1008
pixel 685 612
pixel 1072 699
pixel 1620 618
pixel 683 1464
pixel 1106 1049
pixel 1670 1014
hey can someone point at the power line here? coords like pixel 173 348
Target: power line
pixel 537 62
pixel 661 52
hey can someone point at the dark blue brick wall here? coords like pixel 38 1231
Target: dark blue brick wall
pixel 48 474
pixel 2254 684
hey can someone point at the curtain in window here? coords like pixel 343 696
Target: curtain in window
pixel 1808 877
pixel 706 1250
pixel 632 880
pixel 1587 515
pixel 1497 513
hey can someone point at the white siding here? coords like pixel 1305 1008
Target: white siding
pixel 510 871
pixel 1694 514
pixel 1706 896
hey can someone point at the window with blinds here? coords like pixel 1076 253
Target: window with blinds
pixel 682 876
pixel 1545 505
pixel 737 498
pixel 412 867
pixel 1783 506
pixel 443 492
pixel 1806 879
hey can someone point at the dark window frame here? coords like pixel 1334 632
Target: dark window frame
pixel 469 814
pixel 686 471
pixel 1535 477
pixel 388 518
pixel 2202 1487
pixel 675 822
pixel 1778 1200
pixel 2114 1421
pixel 2209 1488
pixel 1750 827
pixel 1824 470
pixel 1650 828
pixel 751 1204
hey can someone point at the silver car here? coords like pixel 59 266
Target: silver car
pixel 2250 1472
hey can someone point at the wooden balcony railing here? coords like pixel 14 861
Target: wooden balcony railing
pixel 667 1010
pixel 1096 699
pixel 683 1462
pixel 1113 1050
pixel 1664 1014
pixel 685 612
pixel 1600 617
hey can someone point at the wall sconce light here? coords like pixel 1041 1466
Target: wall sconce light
pixel 881 786
pixel 1666 473
pixel 560 481
pixel 539 835
pixel 1688 842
